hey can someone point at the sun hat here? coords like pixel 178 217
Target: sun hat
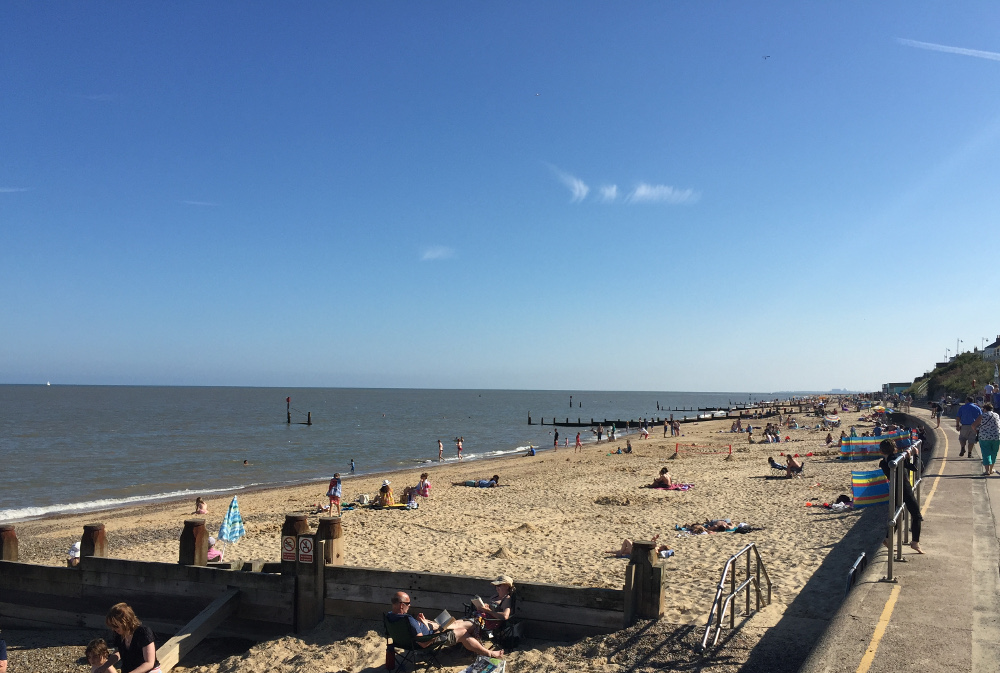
pixel 503 579
pixel 74 551
pixel 385 483
pixel 211 541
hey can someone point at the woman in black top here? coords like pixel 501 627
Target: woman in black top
pixel 888 450
pixel 136 649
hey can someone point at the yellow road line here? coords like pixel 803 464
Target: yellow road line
pixel 883 621
pixel 937 477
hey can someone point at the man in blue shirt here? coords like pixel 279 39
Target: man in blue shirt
pixel 967 415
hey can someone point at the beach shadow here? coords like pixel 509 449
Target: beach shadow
pixel 808 616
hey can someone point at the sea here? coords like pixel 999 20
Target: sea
pixel 67 449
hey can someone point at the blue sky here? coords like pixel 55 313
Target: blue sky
pixel 647 196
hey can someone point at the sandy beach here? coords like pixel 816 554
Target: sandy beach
pixel 552 520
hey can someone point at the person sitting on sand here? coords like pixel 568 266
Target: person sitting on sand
pixel 213 553
pixel 97 654
pixel 628 446
pixel 423 487
pixel 663 480
pixel 829 439
pixel 200 507
pixel 492 482
pixel 531 452
pixel 459 631
pixel 385 497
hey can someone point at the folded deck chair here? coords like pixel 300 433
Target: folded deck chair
pixel 408 645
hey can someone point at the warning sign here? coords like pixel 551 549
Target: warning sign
pixel 288 548
pixel 306 550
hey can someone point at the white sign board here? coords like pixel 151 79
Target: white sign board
pixel 306 550
pixel 288 548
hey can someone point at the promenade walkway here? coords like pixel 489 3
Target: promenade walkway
pixel 943 613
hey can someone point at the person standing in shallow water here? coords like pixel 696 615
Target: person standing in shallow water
pixel 440 451
pixel 458 446
pixel 555 442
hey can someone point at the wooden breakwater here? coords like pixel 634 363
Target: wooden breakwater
pixel 658 421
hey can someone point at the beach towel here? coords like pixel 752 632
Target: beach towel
pixel 871 487
pixel 674 487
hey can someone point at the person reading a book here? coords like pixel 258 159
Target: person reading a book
pixel 451 632
pixel 493 613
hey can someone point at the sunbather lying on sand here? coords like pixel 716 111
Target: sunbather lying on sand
pixel 492 482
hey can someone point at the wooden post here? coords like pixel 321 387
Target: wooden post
pixel 8 542
pixel 309 418
pixel 331 530
pixel 194 543
pixel 644 583
pixel 309 585
pixel 529 418
pixel 94 542
pixel 288 410
pixel 295 525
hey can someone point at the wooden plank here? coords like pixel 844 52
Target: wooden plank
pixel 391 581
pixel 33 617
pixel 355 609
pixel 192 633
pixel 605 619
pixel 32 584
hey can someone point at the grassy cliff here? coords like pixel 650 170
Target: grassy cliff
pixel 956 377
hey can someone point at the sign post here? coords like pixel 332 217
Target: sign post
pixel 309 585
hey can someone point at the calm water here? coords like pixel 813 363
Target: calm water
pixel 66 448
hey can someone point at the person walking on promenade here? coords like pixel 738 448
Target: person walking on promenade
pixel 888 450
pixel 440 451
pixel 987 427
pixel 967 415
pixel 579 444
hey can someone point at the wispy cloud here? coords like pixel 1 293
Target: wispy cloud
pixel 577 187
pixel 991 55
pixel 12 190
pixel 200 203
pixel 436 252
pixel 609 193
pixel 646 193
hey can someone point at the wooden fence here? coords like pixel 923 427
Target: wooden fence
pixel 549 611
pixel 166 596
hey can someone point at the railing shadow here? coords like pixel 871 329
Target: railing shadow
pixel 785 646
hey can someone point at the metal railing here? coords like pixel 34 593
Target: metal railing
pixel 720 606
pixel 852 575
pixel 898 526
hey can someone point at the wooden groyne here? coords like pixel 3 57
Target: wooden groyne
pixel 765 412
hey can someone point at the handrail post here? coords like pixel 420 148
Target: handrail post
pixel 890 526
pixel 748 587
pixel 900 476
pixel 732 590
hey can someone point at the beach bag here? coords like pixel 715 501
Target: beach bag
pixel 363 499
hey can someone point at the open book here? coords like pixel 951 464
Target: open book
pixel 478 603
pixel 444 620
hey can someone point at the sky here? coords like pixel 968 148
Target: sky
pixel 563 195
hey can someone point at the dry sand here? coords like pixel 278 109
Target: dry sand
pixel 551 521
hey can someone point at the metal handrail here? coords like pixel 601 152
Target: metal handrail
pixel 852 574
pixel 896 530
pixel 720 607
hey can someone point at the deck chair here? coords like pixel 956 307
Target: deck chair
pixel 506 635
pixel 775 466
pixel 407 645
